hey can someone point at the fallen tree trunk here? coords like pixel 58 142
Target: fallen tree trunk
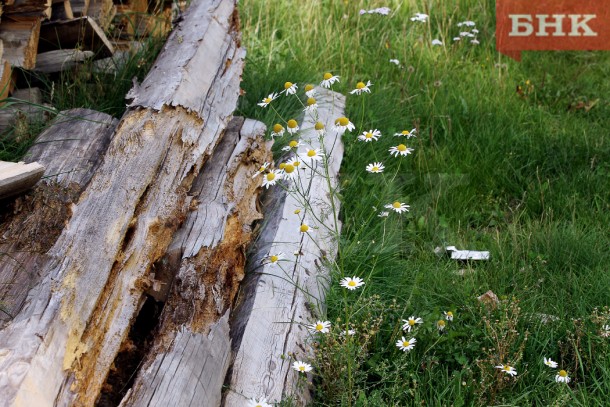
pixel 268 327
pixel 187 363
pixel 59 349
pixel 71 149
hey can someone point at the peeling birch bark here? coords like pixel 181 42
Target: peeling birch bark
pixel 267 328
pixel 59 349
pixel 189 360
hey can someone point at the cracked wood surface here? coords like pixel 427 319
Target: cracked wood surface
pixel 190 357
pixel 59 349
pixel 267 328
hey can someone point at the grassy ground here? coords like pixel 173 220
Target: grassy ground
pixel 511 157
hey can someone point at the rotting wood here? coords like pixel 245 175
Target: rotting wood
pixel 203 266
pixel 276 302
pixel 16 178
pixel 71 149
pixel 99 269
pixel 80 33
pixel 20 38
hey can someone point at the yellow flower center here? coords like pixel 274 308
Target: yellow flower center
pixel 327 76
pixel 319 327
pixel 277 128
pixel 289 168
pixel 411 322
pixel 308 88
pixel 296 163
pixel 297 211
pixel 506 368
pixel 274 259
pixel 405 344
pixel 563 373
pixel 405 132
pixel 270 176
pixel 342 121
pixel 311 101
pixel 311 153
pixel 375 168
pixel 293 144
pixel 302 368
pixel 396 205
pixel 304 228
pixel 267 100
pixel 352 283
pixel 282 165
pixel 319 126
pixel 261 169
pixel 360 85
pixel 287 85
pixel 441 323
pixel 401 147
pixel 449 313
pixel 292 123
pixel 368 135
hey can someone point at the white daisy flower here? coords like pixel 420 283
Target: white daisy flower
pixel 311 105
pixel 322 327
pixel 274 258
pixel 293 126
pixel 406 133
pixel 343 124
pixel 268 99
pixel 278 130
pixel 259 403
pixel 301 367
pixel 319 128
pixel 549 362
pixel 261 170
pixel 351 283
pixel 440 325
pixel 271 178
pixel 436 41
pixel 361 87
pixel 464 34
pixel 310 91
pixel 303 228
pixel 400 149
pixel 457 38
pixel 475 42
pixel 311 155
pixel 294 161
pixel 371 135
pixel 421 17
pixel 375 168
pixel 289 171
pixel 293 145
pixel 395 62
pixel 329 80
pixel 509 370
pixel 448 315
pixel 384 214
pixel 398 207
pixel 410 323
pixel 406 345
pixel 605 333
pixel 562 377
pixel 474 31
pixel 467 24
pixel 290 88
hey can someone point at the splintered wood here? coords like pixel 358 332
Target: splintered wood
pixel 276 302
pixel 59 349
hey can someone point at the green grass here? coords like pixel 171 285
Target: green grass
pixel 523 174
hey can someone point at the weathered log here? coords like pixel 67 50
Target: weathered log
pixel 80 33
pixel 267 327
pixel 61 59
pixel 16 178
pixel 20 38
pixel 100 267
pixel 25 106
pixel 71 149
pixel 207 257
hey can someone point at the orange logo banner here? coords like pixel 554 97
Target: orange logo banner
pixel 526 25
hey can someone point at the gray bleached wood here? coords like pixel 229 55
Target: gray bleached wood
pixel 189 359
pixel 267 328
pixel 59 349
pixel 16 178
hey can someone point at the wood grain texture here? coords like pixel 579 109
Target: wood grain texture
pixel 80 33
pixel 71 149
pixel 16 178
pixel 207 257
pixel 275 302
pixel 20 38
pixel 100 267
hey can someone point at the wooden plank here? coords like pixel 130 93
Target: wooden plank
pixel 80 7
pixel 20 38
pixel 62 10
pixel 61 59
pixel 207 253
pixel 102 11
pixel 99 268
pixel 276 303
pixel 70 149
pixel 5 79
pixel 35 8
pixel 16 178
pixel 80 33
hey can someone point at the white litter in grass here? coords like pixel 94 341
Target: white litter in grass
pixel 384 11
